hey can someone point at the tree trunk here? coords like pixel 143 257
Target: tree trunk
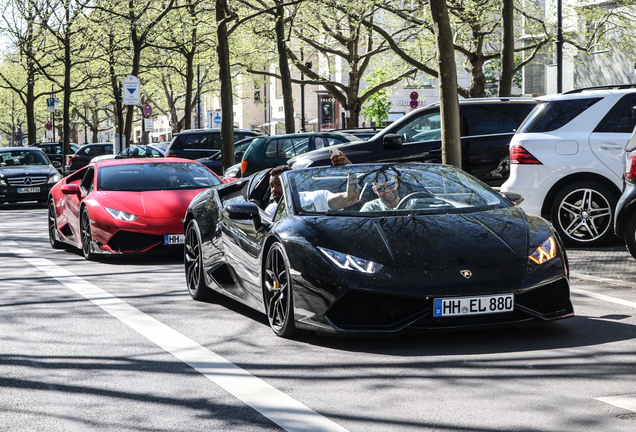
pixel 66 113
pixel 187 115
pixel 225 78
pixel 95 124
pixel 449 100
pixel 507 48
pixel 285 74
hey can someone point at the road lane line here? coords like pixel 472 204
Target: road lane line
pixel 604 297
pixel 627 402
pixel 280 408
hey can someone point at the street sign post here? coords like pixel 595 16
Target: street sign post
pixel 132 90
pixel 52 104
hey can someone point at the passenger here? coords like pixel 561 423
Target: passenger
pixel 386 187
pixel 314 201
pixel 28 159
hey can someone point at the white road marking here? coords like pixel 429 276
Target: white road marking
pixel 280 408
pixel 604 297
pixel 627 402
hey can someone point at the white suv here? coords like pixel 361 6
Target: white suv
pixel 567 160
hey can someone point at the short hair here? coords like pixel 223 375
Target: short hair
pixel 279 170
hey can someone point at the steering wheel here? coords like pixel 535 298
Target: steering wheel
pixel 402 203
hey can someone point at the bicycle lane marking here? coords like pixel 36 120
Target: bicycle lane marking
pixel 278 407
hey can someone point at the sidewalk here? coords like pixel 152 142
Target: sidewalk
pixel 608 264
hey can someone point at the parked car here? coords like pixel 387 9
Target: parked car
pixel 268 152
pixel 215 163
pixel 625 220
pixel 53 151
pixel 201 143
pixel 567 160
pixel 125 205
pixel 487 125
pixel 26 174
pixel 85 154
pixel 451 254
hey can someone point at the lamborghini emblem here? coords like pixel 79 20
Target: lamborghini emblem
pixel 466 273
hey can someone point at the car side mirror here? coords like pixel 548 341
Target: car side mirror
pixel 70 189
pixel 513 197
pixel 242 211
pixel 57 165
pixel 392 141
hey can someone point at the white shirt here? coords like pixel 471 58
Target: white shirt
pixel 311 201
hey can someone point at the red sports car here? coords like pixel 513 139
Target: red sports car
pixel 125 205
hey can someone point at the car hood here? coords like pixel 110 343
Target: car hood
pixel 152 204
pixel 483 239
pixel 27 170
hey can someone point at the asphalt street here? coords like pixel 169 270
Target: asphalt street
pixel 120 345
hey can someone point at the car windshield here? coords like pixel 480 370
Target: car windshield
pixel 394 190
pixel 155 176
pixel 22 157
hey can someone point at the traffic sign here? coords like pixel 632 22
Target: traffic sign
pixel 414 96
pixel 52 104
pixel 147 110
pixel 132 90
pixel 217 119
pixel 414 103
pixel 148 125
pixel 48 125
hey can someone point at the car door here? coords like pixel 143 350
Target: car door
pixel 242 242
pixel 610 136
pixel 73 202
pixel 486 132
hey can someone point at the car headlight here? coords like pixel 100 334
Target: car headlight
pixel 54 178
pixel 545 252
pixel 349 262
pixel 3 182
pixel 233 172
pixel 302 163
pixel 118 214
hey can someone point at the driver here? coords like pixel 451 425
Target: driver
pixel 28 159
pixel 386 188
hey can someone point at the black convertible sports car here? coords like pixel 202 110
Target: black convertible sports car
pixel 449 252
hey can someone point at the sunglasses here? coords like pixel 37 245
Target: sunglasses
pixel 390 184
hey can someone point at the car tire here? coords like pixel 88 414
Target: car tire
pixel 629 235
pixel 278 292
pixel 583 213
pixel 87 238
pixel 193 260
pixel 55 244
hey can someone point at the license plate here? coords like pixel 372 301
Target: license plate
pixel 172 239
pixel 29 190
pixel 457 306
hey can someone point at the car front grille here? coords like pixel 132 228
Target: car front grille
pixel 27 181
pixel 368 310
pixel 128 241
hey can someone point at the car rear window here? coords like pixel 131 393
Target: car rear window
pixel 552 115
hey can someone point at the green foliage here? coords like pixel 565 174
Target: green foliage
pixel 378 105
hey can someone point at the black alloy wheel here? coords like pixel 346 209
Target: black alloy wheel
pixel 193 260
pixel 277 292
pixel 55 244
pixel 630 236
pixel 583 214
pixel 85 228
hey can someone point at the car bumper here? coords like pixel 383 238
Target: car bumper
pixel 18 194
pixel 532 182
pixel 624 208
